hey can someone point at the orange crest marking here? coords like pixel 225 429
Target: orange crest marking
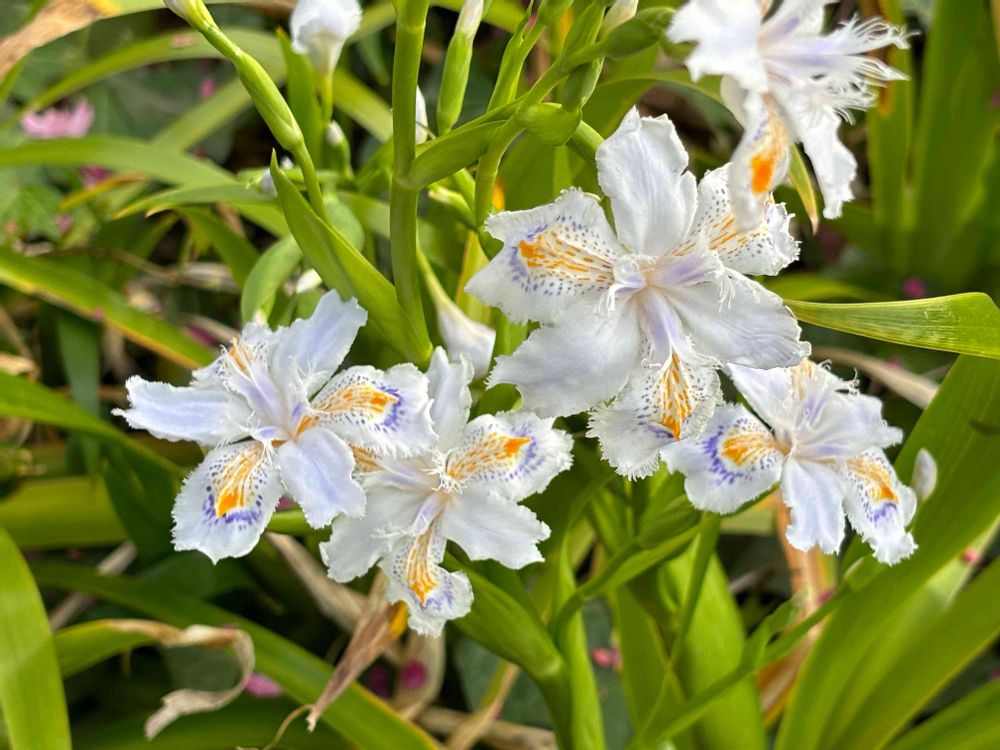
pixel 549 253
pixel 675 399
pixel 232 489
pixel 421 574
pixel 493 451
pixel 746 447
pixel 876 478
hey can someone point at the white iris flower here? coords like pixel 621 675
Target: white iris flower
pixel 320 29
pixel 824 447
pixel 277 419
pixel 786 81
pixel 646 313
pixel 466 489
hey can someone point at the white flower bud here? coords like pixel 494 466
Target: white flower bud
pixel 422 131
pixel 321 27
pixel 192 11
pixel 469 19
pixel 925 474
pixel 462 335
pixel 620 12
pixel 334 134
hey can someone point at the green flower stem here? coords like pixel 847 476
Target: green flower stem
pixel 266 98
pixel 440 158
pixel 704 549
pixel 411 18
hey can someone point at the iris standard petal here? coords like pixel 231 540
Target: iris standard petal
pixel 489 527
pixel 725 33
pixel 314 347
pixel 737 321
pixel 451 400
pixel 316 469
pixel 583 359
pixel 642 168
pixel 815 494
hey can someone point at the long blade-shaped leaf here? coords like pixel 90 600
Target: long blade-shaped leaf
pixel 86 296
pixel 356 714
pixel 31 691
pixel 963 323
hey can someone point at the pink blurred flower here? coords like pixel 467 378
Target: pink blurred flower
pixel 413 676
pixel 606 658
pixel 91 176
pixel 69 122
pixel 207 87
pixel 285 503
pixel 914 288
pixel 263 687
pixel 64 222
pixel 971 556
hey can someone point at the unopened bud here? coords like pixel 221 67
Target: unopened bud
pixel 925 473
pixel 192 11
pixel 620 12
pixel 469 19
pixel 463 335
pixel 334 134
pixel 321 27
pixel 422 129
pixel 638 33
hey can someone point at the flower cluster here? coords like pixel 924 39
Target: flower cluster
pixel 636 322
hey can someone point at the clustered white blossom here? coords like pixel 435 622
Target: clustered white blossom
pixel 637 320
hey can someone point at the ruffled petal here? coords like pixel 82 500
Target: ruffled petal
pixel 659 406
pixel 209 415
pixel 451 399
pixel 734 460
pixel 879 506
pixel 512 454
pixel 834 164
pixel 226 502
pixel 765 249
pixel 385 412
pixel 316 469
pixel 760 162
pixel 489 527
pixel 432 594
pixel 642 168
pixel 769 393
pixel 582 360
pixel 846 424
pixel 552 256
pixel 725 33
pixel 815 494
pixel 313 348
pixel 356 544
pixel 736 321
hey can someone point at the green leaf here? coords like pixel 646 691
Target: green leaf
pixel 343 268
pixel 86 644
pixel 247 722
pixel 956 130
pixel 932 658
pixel 234 249
pixel 270 271
pixel 84 295
pixel 356 714
pixel 963 323
pixel 960 430
pixel 31 692
pixel 967 724
pixel 810 287
pixel 61 512
pixel 22 398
